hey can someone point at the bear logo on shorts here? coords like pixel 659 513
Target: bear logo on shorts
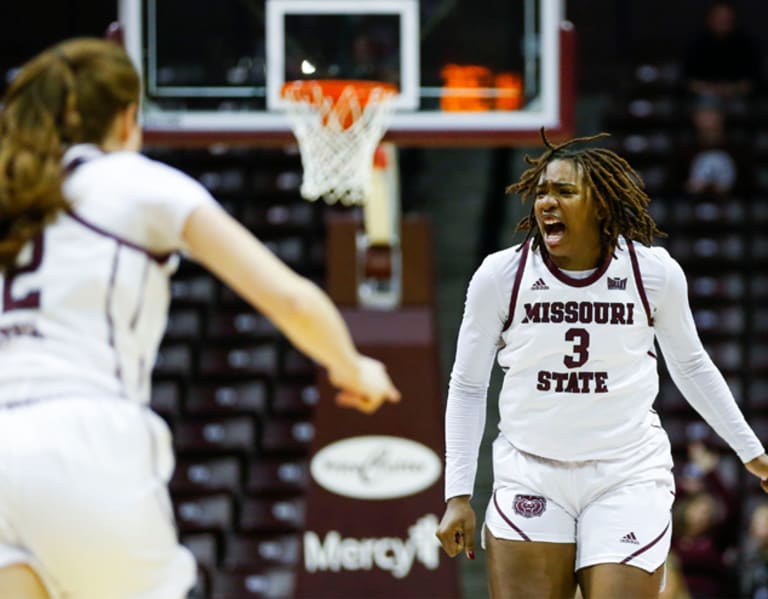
pixel 529 506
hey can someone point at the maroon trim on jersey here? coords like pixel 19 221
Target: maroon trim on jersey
pixel 516 286
pixel 108 312
pixel 639 282
pixel 156 256
pixel 142 295
pixel 564 278
pixel 70 167
pixel 507 520
pixel 645 548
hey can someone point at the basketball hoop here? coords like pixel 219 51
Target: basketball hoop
pixel 338 125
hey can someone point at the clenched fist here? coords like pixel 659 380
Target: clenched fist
pixel 457 528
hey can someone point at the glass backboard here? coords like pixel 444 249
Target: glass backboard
pixel 214 70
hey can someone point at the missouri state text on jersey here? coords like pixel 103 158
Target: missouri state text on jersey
pixel 573 340
pixel 586 313
pixel 581 312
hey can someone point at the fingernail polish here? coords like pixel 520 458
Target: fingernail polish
pixel 471 555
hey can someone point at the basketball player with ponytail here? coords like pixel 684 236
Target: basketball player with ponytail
pixel 583 483
pixel 90 232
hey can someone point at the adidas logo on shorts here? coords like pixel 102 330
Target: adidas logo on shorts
pixel 538 285
pixel 630 538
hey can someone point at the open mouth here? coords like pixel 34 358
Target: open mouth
pixel 553 232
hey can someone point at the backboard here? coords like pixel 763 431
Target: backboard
pixel 466 76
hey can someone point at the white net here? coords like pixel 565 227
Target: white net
pixel 337 138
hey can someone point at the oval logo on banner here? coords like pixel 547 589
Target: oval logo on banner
pixel 375 467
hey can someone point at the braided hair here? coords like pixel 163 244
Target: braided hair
pixel 615 186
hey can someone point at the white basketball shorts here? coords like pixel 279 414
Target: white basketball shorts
pixel 84 502
pixel 616 511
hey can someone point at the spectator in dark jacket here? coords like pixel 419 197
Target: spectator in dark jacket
pixel 723 59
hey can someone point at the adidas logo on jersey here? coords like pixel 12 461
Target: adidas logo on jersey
pixel 539 285
pixel 630 538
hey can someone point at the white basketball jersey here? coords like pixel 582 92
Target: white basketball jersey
pixel 579 360
pixel 85 309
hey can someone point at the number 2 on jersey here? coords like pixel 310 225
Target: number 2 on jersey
pixel 32 299
pixel 580 339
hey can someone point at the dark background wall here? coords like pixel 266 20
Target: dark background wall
pixel 612 33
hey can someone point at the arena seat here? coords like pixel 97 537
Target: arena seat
pixel 205 475
pixel 204 513
pixel 286 436
pixel 261 551
pixel 211 399
pixel 228 325
pixel 271 514
pixel 204 546
pixel 184 325
pixel 295 397
pixel 249 360
pixel 166 400
pixel 277 475
pixel 221 435
pixel 253 584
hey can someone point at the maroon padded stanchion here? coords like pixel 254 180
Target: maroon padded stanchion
pixel 376 490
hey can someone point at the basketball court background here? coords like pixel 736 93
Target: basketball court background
pixel 449 183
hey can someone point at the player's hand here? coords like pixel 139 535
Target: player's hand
pixel 456 531
pixel 759 467
pixel 367 388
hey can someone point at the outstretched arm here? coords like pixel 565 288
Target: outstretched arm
pixel 759 467
pixel 699 380
pixel 484 315
pixel 300 309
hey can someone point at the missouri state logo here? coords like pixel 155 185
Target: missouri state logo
pixel 529 506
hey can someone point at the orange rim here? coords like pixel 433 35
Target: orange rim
pixel 304 89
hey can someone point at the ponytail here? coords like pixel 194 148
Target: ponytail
pixel 66 95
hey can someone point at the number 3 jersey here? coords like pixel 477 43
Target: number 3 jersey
pixel 579 360
pixel 85 308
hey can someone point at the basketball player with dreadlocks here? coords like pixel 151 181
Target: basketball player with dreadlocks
pixel 583 482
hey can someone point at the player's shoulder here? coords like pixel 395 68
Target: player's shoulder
pixel 650 256
pixel 154 171
pixel 501 266
pixel 87 162
pixel 131 174
pixel 501 260
pixel 658 269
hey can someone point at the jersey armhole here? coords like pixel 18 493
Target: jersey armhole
pixel 639 281
pixel 516 286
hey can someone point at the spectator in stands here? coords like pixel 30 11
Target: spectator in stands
pixel 697 544
pixel 722 59
pixel 754 572
pixel 704 537
pixel 89 230
pixel 711 159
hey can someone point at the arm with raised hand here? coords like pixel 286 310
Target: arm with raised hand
pixel 300 309
pixel 699 380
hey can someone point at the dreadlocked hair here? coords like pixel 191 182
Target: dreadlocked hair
pixel 614 184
